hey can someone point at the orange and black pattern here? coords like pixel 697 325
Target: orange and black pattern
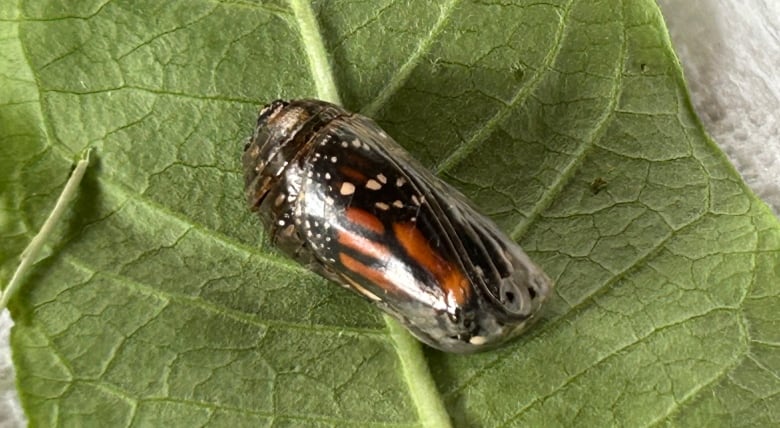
pixel 336 193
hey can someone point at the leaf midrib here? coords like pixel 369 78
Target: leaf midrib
pixel 422 387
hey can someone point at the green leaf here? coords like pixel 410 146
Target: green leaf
pixel 568 122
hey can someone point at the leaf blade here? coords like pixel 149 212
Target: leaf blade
pixel 162 295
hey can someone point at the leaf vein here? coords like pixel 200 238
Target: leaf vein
pixel 583 150
pixel 615 353
pixel 189 224
pixel 234 100
pixel 234 314
pixel 402 75
pixel 299 417
pixel 462 151
pixel 573 310
pixel 314 47
pixel 678 405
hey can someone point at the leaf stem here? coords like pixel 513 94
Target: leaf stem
pixel 315 51
pixel 425 395
pixel 30 254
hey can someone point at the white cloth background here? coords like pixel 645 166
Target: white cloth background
pixel 730 50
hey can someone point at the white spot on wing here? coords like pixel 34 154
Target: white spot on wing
pixel 477 340
pixel 373 185
pixel 347 188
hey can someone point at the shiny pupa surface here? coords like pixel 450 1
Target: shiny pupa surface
pixel 340 196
